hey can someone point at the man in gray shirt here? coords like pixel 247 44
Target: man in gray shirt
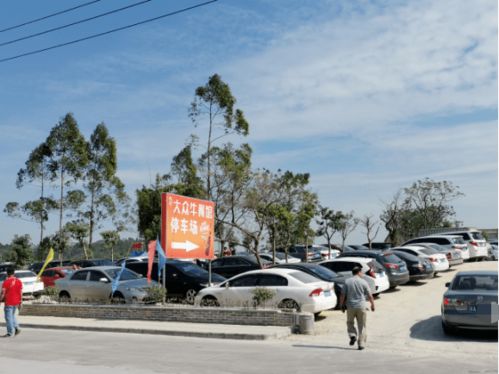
pixel 355 292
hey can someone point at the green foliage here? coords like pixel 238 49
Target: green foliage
pixel 51 292
pixel 261 295
pixel 21 251
pixel 423 205
pixel 111 239
pixel 155 294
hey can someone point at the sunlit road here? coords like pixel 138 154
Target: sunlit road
pixel 44 351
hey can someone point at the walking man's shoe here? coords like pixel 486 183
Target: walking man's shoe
pixel 18 331
pixel 361 348
pixel 353 339
pixel 6 336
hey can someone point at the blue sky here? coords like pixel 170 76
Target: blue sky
pixel 367 96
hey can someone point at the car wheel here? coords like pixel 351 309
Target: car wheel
pixel 64 297
pixel 117 298
pixel 209 301
pixel 190 295
pixel 289 304
pixel 448 330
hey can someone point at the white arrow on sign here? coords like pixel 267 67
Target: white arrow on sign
pixel 187 246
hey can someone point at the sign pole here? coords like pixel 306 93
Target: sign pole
pixel 164 284
pixel 209 272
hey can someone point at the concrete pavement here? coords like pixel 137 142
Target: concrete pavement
pixel 200 330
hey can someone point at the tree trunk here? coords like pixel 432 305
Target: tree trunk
pixel 61 201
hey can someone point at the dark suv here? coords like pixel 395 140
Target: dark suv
pixel 395 268
pixel 306 254
pixel 233 265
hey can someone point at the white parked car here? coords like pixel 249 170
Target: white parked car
pixel 447 241
pixel 438 260
pixel 292 289
pixel 325 252
pixel 31 285
pixel 374 274
pixel 477 244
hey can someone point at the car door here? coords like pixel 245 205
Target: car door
pixel 96 289
pixel 175 282
pixel 278 285
pixel 239 291
pixel 77 285
pixel 235 265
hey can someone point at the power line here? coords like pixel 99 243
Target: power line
pixel 107 32
pixel 74 23
pixel 50 15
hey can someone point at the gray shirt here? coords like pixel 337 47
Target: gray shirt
pixel 356 291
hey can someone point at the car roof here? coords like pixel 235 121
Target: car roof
pixel 447 236
pixel 476 272
pixel 350 259
pixel 280 271
pixel 104 267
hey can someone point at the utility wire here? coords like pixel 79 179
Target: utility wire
pixel 50 15
pixel 74 23
pixel 107 32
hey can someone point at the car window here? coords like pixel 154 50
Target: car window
pixel 474 282
pixel 390 257
pixel 428 251
pixel 458 241
pixel 25 274
pixel 323 272
pixel 192 269
pixel 125 275
pixel 80 275
pixel 272 280
pixel 303 277
pixel 96 275
pixel 338 266
pixel 218 262
pixel 235 262
pixel 244 281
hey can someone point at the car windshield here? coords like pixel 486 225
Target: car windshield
pixel 303 277
pixel 477 236
pixel 475 281
pixel 323 272
pixel 429 251
pixel 25 274
pixel 391 258
pixel 191 269
pixel 458 241
pixel 126 275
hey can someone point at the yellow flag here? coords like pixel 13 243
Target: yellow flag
pixel 50 257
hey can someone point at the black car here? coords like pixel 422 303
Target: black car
pixel 93 262
pixel 304 253
pixel 233 265
pixel 395 268
pixel 320 272
pixel 419 268
pixel 183 279
pixel 37 266
pixel 378 245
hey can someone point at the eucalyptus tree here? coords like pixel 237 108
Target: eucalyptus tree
pixel 21 252
pixel 215 102
pixel 111 239
pixel 105 194
pixel 328 224
pixel 36 171
pixel 68 158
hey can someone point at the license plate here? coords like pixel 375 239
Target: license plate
pixel 327 293
pixel 381 275
pixel 472 308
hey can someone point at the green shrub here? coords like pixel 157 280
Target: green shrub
pixel 155 294
pixel 261 295
pixel 51 292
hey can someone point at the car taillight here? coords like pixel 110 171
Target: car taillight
pixel 433 259
pixel 449 256
pixel 265 266
pixel 316 292
pixel 450 301
pixel 474 243
pixel 371 273
pixel 392 266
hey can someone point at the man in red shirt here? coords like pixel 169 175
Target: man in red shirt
pixel 12 292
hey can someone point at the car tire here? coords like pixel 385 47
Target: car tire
pixel 118 298
pixel 289 304
pixel 190 295
pixel 209 301
pixel 64 297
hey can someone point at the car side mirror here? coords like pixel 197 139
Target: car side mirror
pixel 103 280
pixel 447 284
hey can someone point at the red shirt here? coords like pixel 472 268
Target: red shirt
pixel 13 291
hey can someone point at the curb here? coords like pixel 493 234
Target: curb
pixel 192 334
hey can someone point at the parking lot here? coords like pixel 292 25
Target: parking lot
pixel 407 320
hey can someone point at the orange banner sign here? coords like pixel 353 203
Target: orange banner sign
pixel 187 226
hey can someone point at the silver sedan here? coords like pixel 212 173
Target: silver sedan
pixel 94 284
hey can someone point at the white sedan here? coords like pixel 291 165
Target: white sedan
pixel 31 285
pixel 289 289
pixel 438 260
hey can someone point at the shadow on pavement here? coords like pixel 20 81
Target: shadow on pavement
pixel 324 347
pixel 393 290
pixel 414 284
pixel 431 329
